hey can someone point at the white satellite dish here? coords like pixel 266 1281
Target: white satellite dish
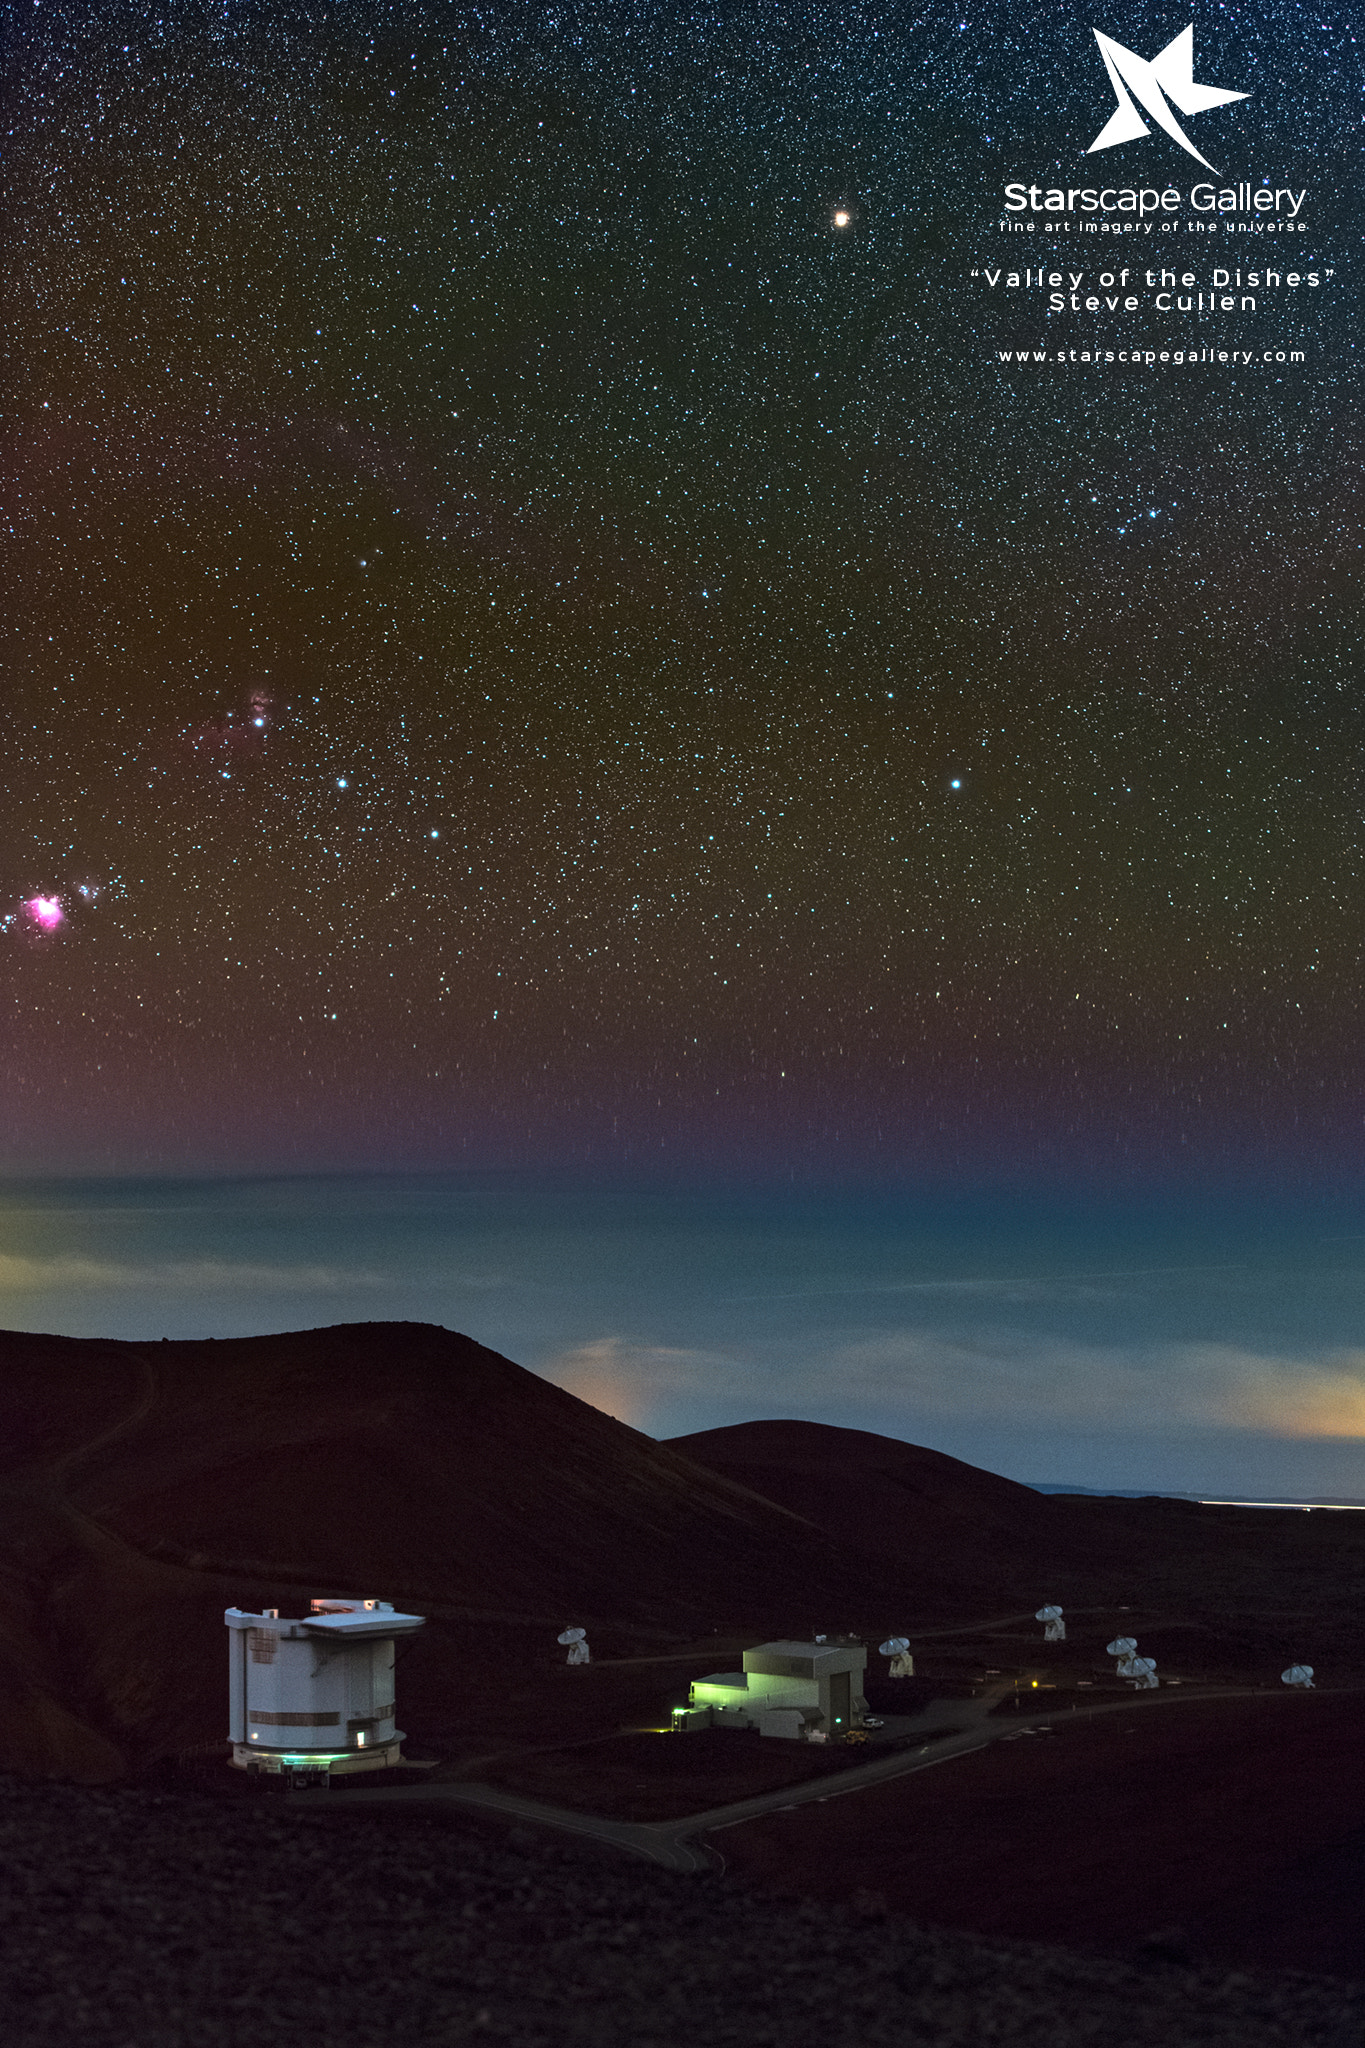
pixel 897 1648
pixel 1299 1674
pixel 1055 1632
pixel 1142 1671
pixel 577 1641
pixel 1122 1646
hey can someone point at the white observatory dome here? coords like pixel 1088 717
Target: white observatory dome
pixel 315 1697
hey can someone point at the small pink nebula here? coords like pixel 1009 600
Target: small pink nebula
pixel 46 912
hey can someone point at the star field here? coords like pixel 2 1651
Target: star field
pixel 541 629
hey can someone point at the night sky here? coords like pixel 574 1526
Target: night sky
pixel 542 636
pixel 529 642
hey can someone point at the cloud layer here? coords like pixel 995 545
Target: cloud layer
pixel 1001 1377
pixel 61 1273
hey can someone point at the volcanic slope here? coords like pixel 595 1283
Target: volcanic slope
pixel 1253 1584
pixel 1234 1820
pixel 961 1528
pixel 144 1487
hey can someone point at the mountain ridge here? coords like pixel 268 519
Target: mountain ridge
pixel 146 1486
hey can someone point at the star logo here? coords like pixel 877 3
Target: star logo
pixel 1168 80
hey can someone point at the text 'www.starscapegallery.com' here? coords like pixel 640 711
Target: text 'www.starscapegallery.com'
pixel 1145 358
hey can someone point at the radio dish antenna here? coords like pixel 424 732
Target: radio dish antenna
pixel 1122 1646
pixel 897 1648
pixel 1055 1632
pixel 576 1640
pixel 1142 1671
pixel 1300 1675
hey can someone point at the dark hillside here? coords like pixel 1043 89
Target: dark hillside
pixel 147 1486
pixel 144 1487
pixel 1240 1822
pixel 1245 1585
pixel 966 1532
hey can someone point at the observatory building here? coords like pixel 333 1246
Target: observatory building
pixel 315 1695
pixel 785 1689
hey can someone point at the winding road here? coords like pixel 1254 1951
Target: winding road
pixel 677 1844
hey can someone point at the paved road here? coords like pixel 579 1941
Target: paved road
pixel 675 1844
pixel 654 1843
pixel 1009 1621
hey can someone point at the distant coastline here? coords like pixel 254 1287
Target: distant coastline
pixel 1205 1499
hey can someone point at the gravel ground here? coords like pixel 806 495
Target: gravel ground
pixel 146 1918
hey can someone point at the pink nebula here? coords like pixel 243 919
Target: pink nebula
pixel 46 912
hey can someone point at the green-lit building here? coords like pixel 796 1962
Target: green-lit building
pixel 790 1690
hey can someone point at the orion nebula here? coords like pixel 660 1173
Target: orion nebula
pixel 45 913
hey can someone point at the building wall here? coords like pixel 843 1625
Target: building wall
pixel 823 1681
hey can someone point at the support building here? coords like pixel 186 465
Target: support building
pixel 792 1690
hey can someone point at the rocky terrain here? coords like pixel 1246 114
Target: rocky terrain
pixel 144 1917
